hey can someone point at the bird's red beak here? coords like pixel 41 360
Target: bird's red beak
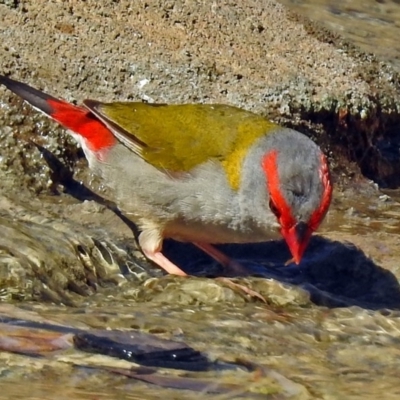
pixel 297 238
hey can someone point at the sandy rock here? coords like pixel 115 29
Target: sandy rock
pixel 255 55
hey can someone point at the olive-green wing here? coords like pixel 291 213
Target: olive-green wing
pixel 180 137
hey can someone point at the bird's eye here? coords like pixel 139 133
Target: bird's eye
pixel 298 193
pixel 274 209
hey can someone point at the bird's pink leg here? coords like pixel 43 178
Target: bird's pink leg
pixel 164 263
pixel 150 241
pixel 222 258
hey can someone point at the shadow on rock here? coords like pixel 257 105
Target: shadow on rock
pixel 335 274
pixel 63 175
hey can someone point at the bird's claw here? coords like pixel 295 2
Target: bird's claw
pixel 241 289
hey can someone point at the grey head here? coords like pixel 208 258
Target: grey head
pixel 298 187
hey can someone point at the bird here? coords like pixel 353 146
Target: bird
pixel 207 174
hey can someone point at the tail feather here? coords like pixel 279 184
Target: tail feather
pixel 77 119
pixel 33 96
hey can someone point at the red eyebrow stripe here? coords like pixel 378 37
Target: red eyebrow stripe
pixel 318 215
pixel 270 167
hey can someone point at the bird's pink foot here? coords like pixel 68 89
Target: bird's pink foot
pixel 242 289
pixel 231 265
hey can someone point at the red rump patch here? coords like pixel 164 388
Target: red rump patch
pixel 84 123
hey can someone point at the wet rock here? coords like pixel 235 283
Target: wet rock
pixel 45 258
pixel 293 71
pixel 30 337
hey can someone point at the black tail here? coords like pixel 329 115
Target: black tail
pixel 33 96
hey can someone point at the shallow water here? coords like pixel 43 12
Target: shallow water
pixel 331 353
